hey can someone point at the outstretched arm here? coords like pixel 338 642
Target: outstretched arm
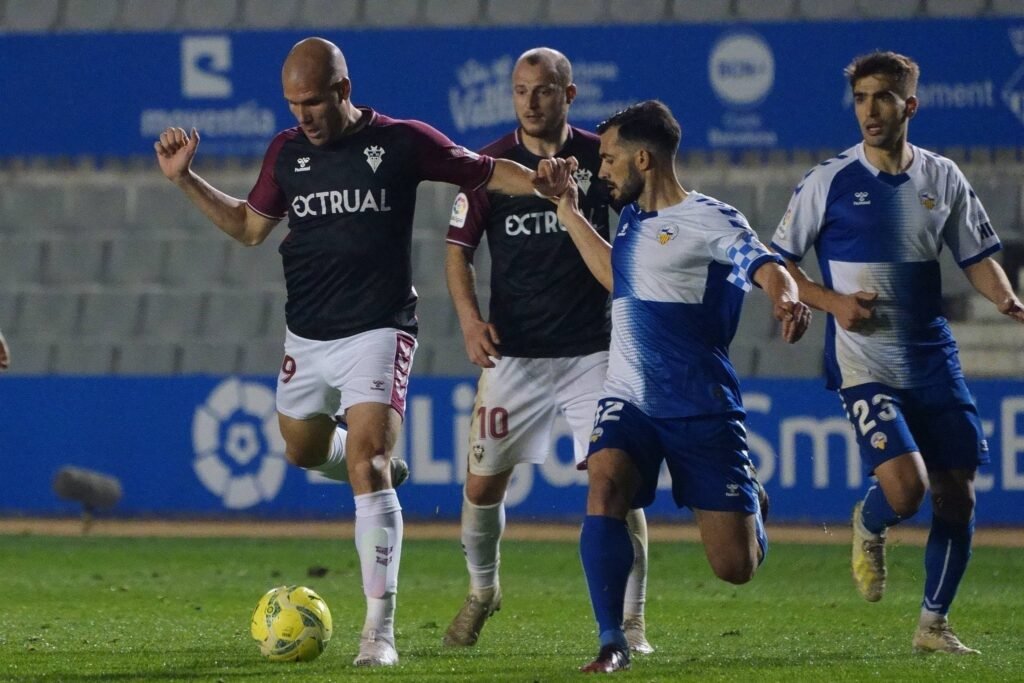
pixel 550 180
pixel 596 252
pixel 780 286
pixel 481 337
pixel 989 279
pixel 853 312
pixel 174 152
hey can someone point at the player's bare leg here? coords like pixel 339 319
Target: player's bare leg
pixel 734 543
pixel 318 444
pixel 483 523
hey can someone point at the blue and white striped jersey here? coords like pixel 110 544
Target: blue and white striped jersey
pixel 679 276
pixel 877 232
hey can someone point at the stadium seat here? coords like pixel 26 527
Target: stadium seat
pixel 171 315
pixel 700 11
pixel 8 308
pixel 451 12
pixel 757 321
pixel 954 8
pixel 888 9
pixel 30 15
pixel 208 358
pixel 827 9
pixel 100 208
pixel 262 357
pixel 775 198
pixel 803 359
pixel 744 357
pixel 110 315
pixel 741 196
pixel 146 15
pixel 76 357
pixel 329 13
pixel 765 10
pixel 134 260
pixel 73 260
pixel 438 321
pixel 275 324
pixel 21 261
pixel 234 314
pixel 505 13
pixel 258 266
pixel 29 356
pixel 428 257
pixel 147 358
pixel 47 315
pixel 448 360
pixel 636 11
pixel 90 15
pixel 1008 8
pixel 161 207
pixel 577 12
pixel 264 14
pixel 1001 197
pixel 392 13
pixel 206 14
pixel 196 262
pixel 32 208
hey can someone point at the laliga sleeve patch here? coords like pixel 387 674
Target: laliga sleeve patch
pixel 460 209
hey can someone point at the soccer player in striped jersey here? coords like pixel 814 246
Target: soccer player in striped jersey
pixel 878 216
pixel 679 269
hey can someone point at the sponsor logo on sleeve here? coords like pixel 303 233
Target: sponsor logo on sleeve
pixel 460 209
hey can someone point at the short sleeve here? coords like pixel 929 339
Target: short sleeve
pixel 968 230
pixel 468 221
pixel 801 224
pixel 266 197
pixel 732 241
pixel 441 160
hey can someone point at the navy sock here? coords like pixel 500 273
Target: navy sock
pixel 607 555
pixel 877 514
pixel 945 561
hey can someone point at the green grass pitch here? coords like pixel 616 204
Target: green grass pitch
pixel 156 609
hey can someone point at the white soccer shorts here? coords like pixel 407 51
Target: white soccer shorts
pixel 328 377
pixel 517 403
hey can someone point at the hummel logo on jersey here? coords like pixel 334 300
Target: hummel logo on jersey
pixel 732 490
pixel 303 164
pixel 583 177
pixel 373 156
pixel 861 199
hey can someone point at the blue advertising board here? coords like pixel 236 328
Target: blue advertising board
pixel 735 86
pixel 209 446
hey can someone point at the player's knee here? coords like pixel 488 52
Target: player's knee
pixel 958 509
pixel 908 501
pixel 736 572
pixel 304 457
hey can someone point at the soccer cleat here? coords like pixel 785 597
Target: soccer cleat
pixel 868 559
pixel 610 659
pixel 375 650
pixel 939 637
pixel 465 628
pixel 399 472
pixel 636 635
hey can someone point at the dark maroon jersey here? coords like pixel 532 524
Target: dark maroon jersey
pixel 347 256
pixel 544 300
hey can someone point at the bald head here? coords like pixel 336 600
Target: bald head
pixel 314 62
pixel 550 59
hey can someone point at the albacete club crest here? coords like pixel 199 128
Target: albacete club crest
pixel 583 177
pixel 478 452
pixel 373 156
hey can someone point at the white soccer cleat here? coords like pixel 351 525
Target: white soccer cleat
pixel 939 637
pixel 868 560
pixel 636 635
pixel 465 628
pixel 375 650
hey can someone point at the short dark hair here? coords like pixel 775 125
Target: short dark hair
pixel 649 122
pixel 903 70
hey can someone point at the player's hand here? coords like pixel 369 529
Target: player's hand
pixel 175 150
pixel 482 341
pixel 5 354
pixel 1012 307
pixel 553 176
pixel 568 202
pixel 856 312
pixel 795 317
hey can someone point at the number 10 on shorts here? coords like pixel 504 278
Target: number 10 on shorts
pixel 493 422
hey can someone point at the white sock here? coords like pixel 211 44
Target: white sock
pixel 636 585
pixel 929 618
pixel 379 544
pixel 335 466
pixel 482 527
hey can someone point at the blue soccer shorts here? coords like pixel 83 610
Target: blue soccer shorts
pixel 939 422
pixel 706 456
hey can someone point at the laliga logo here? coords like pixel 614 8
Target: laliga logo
pixel 204 62
pixel 239 451
pixel 741 69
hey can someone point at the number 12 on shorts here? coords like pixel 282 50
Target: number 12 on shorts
pixel 608 411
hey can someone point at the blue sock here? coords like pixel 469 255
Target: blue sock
pixel 607 556
pixel 877 514
pixel 945 561
pixel 762 538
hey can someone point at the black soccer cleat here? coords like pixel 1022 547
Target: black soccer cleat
pixel 610 659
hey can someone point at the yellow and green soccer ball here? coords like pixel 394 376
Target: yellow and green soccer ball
pixel 291 624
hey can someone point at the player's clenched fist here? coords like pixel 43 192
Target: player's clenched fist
pixel 175 150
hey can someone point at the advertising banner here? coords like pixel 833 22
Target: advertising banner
pixel 210 447
pixel 733 87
